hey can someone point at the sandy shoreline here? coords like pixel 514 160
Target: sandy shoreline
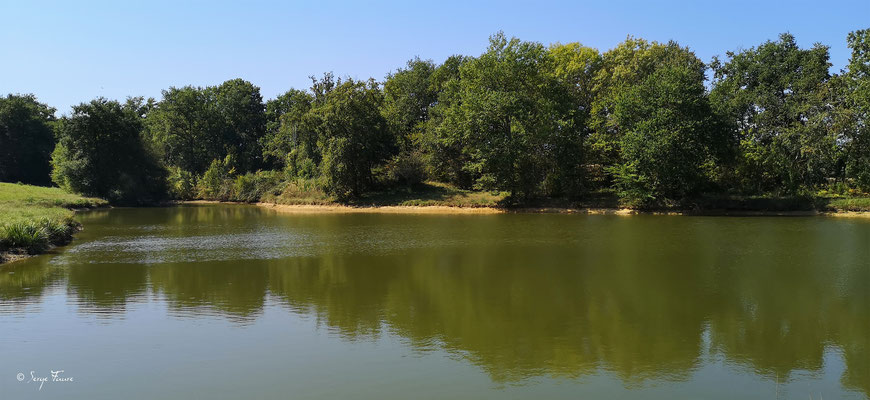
pixel 342 209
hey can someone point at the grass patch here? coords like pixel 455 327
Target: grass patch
pixel 849 204
pixel 308 192
pixel 32 218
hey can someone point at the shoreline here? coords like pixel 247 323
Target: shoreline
pixel 345 209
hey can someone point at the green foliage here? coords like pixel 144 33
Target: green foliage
pixel 290 140
pixel 182 184
pixel 854 110
pixel 220 182
pixel 406 169
pixel 408 94
pixel 253 186
pixel 296 191
pixel 243 118
pixel 668 135
pixel 216 182
pixel 36 236
pixel 776 96
pixel 26 140
pixel 564 121
pixel 192 126
pixel 444 142
pixel 353 136
pixel 100 153
pixel 511 116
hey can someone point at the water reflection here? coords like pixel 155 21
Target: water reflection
pixel 519 296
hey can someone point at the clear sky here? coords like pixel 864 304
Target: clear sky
pixel 70 52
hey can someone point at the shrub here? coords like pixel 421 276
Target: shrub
pixel 251 187
pixel 182 184
pixel 216 183
pixel 406 168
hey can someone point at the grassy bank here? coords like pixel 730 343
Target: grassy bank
pixel 34 218
pixel 423 195
pixel 436 194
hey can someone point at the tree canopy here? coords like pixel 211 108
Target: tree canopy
pixel 26 140
pixel 640 121
pixel 100 152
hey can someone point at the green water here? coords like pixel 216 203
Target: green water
pixel 238 302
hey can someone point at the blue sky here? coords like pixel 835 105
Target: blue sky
pixel 70 52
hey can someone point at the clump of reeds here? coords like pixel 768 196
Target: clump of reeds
pixel 36 236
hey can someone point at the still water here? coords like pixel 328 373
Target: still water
pixel 238 302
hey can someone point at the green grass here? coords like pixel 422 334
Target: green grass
pixel 849 204
pixel 307 192
pixel 32 217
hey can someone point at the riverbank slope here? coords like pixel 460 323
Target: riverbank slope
pixel 35 218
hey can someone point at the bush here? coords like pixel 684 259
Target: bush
pixel 407 168
pixel 182 184
pixel 220 183
pixel 251 187
pixel 216 183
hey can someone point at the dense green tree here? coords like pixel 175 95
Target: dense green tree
pixel 855 107
pixel 241 108
pixel 512 113
pixel 619 69
pixel 100 152
pixel 561 121
pixel 408 94
pixel 193 126
pixel 185 128
pixel 670 137
pixel 26 140
pixel 291 140
pixel 444 141
pixel 776 95
pixel 353 136
pixel 574 66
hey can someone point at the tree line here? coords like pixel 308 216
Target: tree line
pixel 640 120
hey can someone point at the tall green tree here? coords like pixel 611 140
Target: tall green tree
pixel 193 126
pixel 511 113
pixel 776 96
pixel 670 140
pixel 291 140
pixel 26 140
pixel 855 107
pixel 620 69
pixel 100 152
pixel 408 94
pixel 444 142
pixel 242 113
pixel 185 128
pixel 574 67
pixel 353 136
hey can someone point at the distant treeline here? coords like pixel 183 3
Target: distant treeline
pixel 535 121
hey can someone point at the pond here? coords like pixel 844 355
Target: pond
pixel 231 302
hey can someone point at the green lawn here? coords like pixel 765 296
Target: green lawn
pixel 34 217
